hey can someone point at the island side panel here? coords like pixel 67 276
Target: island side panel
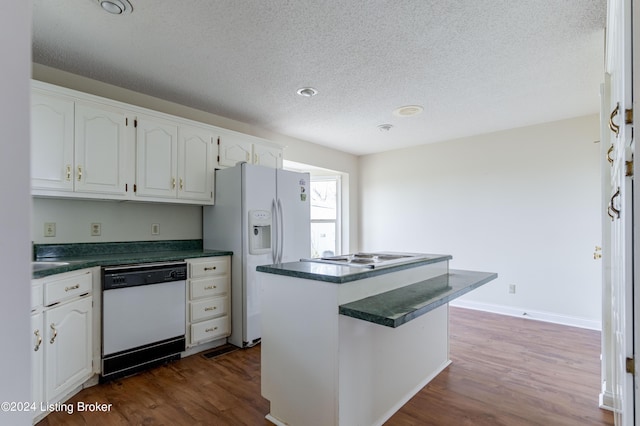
pixel 299 349
pixel 381 368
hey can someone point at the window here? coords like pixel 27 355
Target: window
pixel 325 216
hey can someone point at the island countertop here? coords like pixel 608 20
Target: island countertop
pixel 340 274
pixel 396 307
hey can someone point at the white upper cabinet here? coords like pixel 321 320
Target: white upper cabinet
pixel 195 163
pixel 100 143
pixel 51 142
pixel 77 147
pixel 268 156
pixel 236 147
pixel 174 160
pixel 85 146
pixel 157 158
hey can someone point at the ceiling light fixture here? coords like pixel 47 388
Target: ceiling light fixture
pixel 408 111
pixel 385 127
pixel 307 92
pixel 116 7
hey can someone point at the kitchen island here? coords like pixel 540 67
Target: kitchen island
pixel 346 345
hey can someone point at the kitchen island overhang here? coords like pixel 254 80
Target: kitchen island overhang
pixel 344 346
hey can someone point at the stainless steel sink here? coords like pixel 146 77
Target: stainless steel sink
pixel 370 260
pixel 39 265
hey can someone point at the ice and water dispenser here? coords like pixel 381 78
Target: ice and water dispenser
pixel 259 231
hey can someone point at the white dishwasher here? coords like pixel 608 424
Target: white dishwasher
pixel 143 317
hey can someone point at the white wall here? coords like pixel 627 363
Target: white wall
pixel 295 149
pixel 120 221
pixel 524 203
pixel 15 210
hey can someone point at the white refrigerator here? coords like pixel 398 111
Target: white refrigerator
pixel 263 215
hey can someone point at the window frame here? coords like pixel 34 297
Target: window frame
pixel 338 220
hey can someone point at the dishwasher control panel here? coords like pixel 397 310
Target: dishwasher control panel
pixel 135 275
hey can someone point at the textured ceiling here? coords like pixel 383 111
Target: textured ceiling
pixel 476 66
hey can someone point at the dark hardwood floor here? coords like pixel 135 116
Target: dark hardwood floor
pixel 505 371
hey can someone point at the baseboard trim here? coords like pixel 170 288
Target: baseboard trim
pixel 529 314
pixel 274 420
pixel 606 401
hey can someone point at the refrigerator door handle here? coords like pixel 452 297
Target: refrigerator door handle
pixel 281 229
pixel 274 232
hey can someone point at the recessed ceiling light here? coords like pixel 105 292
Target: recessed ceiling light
pixel 385 127
pixel 307 92
pixel 116 7
pixel 408 111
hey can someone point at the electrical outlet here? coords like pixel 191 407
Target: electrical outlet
pixel 96 229
pixel 155 229
pixel 50 229
pixel 512 289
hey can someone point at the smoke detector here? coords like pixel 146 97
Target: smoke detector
pixel 116 7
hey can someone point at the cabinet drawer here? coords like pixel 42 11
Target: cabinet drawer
pixel 209 330
pixel 208 287
pixel 209 268
pixel 66 288
pixel 208 308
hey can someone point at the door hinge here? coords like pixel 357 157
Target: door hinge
pixel 628 116
pixel 218 140
pixel 135 123
pixel 135 188
pixel 126 187
pixel 218 158
pixel 126 121
pixel 629 168
pixel 631 366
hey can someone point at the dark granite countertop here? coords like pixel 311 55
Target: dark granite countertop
pixel 340 273
pixel 87 255
pixel 396 307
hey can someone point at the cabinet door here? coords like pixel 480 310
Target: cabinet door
pixel 195 164
pixel 233 148
pixel 37 359
pixel 267 156
pixel 67 346
pixel 51 142
pixel 100 149
pixel 157 149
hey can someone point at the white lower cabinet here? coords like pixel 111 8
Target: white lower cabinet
pixel 67 346
pixel 62 336
pixel 37 358
pixel 208 299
